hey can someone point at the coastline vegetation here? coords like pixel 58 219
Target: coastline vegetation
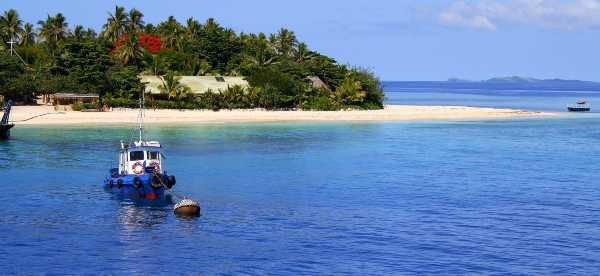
pixel 53 57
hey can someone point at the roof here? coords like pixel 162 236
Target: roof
pixel 317 83
pixel 198 84
pixel 75 96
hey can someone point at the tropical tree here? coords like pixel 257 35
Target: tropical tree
pixel 136 22
pixel 258 51
pixel 59 27
pixel 303 54
pixel 27 35
pixel 172 87
pixel 10 25
pixel 233 97
pixel 78 33
pixel 53 30
pixel 218 45
pixel 154 64
pixel 116 25
pixel 129 52
pixel 171 33
pixel 284 42
pixel 192 28
pixel 349 92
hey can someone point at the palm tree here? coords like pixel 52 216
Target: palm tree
pixel 284 42
pixel 136 22
pixel 170 31
pixel 27 35
pixel 90 34
pixel 53 30
pixel 130 53
pixel 10 25
pixel 172 87
pixel 59 27
pixel 303 54
pixel 154 64
pixel 78 33
pixel 211 25
pixel 193 28
pixel 45 30
pixel 116 24
pixel 258 51
pixel 350 91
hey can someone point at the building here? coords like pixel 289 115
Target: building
pixel 317 83
pixel 197 84
pixel 71 98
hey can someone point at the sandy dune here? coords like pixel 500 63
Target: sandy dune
pixel 22 114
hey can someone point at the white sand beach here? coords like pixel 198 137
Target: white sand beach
pixel 23 114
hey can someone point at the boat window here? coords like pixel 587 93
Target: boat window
pixel 153 155
pixel 136 156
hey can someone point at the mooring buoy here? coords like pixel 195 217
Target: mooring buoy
pixel 187 208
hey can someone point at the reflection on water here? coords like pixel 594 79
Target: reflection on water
pixel 135 217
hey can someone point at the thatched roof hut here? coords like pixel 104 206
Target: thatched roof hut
pixel 317 83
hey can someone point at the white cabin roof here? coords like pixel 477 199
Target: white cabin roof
pixel 198 84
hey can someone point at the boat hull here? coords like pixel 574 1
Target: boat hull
pixel 139 187
pixel 5 131
pixel 579 109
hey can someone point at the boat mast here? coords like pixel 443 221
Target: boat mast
pixel 141 116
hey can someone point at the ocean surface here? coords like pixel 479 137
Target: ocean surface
pixel 536 97
pixel 517 196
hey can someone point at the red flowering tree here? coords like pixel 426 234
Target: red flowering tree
pixel 150 43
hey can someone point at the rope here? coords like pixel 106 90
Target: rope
pixel 167 188
pixel 183 200
pixel 36 116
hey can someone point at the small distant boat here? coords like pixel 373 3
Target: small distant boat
pixel 141 174
pixel 580 106
pixel 5 126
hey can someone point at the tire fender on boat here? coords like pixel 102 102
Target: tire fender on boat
pixel 155 182
pixel 137 183
pixel 119 183
pixel 171 181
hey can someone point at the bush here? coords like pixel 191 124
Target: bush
pixel 83 106
pixel 76 107
pixel 320 103
pixel 121 102
pixel 372 87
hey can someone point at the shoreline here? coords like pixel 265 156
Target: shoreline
pixel 124 116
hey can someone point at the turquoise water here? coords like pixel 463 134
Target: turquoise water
pixel 482 197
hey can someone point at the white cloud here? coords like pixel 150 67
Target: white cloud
pixel 490 14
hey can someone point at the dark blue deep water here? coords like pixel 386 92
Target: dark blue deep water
pixel 481 197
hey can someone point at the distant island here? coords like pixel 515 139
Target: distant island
pixel 506 83
pixel 518 79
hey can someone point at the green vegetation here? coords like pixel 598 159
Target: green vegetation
pixel 55 57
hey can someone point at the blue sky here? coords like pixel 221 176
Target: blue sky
pixel 398 39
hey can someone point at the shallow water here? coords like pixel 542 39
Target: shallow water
pixel 512 196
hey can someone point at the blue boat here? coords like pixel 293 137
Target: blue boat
pixel 141 174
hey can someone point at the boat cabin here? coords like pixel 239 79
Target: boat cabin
pixel 140 158
pixel 580 106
